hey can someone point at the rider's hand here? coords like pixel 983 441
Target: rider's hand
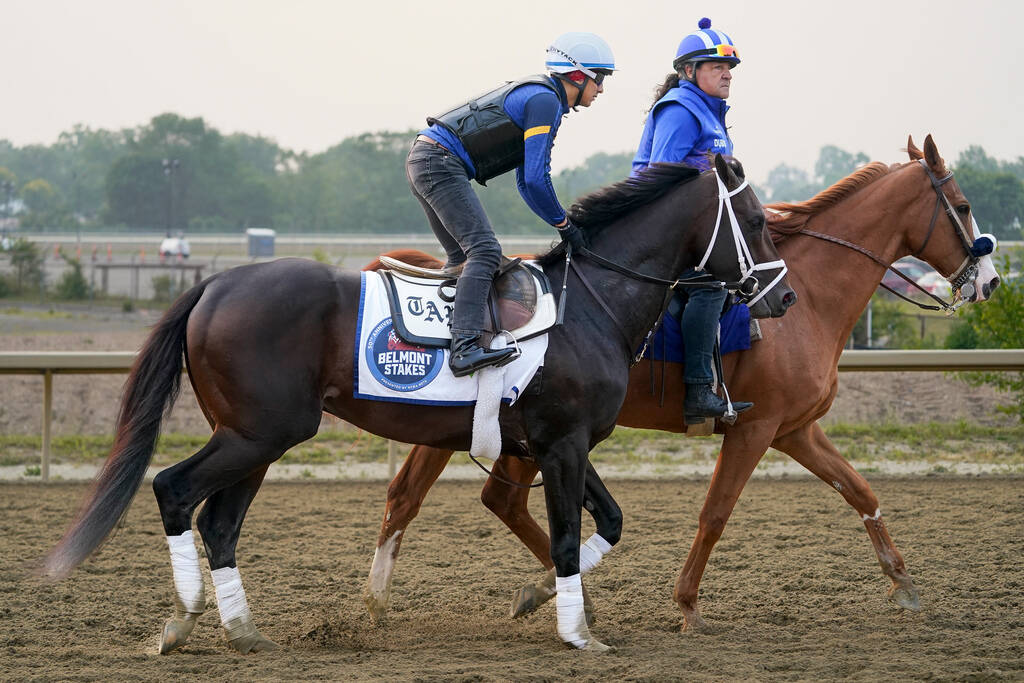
pixel 571 234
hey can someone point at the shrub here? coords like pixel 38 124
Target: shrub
pixel 72 285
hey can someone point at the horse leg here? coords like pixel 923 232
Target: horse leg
pixel 811 448
pixel 736 462
pixel 179 490
pixel 607 516
pixel 564 484
pixel 406 493
pixel 219 524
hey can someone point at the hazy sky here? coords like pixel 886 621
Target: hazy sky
pixel 308 73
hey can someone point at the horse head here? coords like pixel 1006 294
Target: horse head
pixel 751 258
pixel 954 244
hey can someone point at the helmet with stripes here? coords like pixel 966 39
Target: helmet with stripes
pixel 706 45
pixel 577 51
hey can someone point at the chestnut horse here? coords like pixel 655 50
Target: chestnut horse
pixel 791 374
pixel 269 347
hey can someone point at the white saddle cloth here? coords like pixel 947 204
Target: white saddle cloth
pixel 390 369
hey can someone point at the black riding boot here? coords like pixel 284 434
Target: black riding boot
pixel 467 356
pixel 702 402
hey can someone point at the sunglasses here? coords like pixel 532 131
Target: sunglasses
pixel 599 78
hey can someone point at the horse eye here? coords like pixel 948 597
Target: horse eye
pixel 964 209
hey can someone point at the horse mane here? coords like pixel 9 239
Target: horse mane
pixel 595 211
pixel 785 218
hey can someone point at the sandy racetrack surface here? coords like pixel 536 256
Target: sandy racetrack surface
pixel 793 590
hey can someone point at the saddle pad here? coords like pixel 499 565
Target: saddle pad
pixel 422 317
pixel 734 327
pixel 390 369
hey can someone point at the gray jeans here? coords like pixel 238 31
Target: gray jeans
pixel 440 183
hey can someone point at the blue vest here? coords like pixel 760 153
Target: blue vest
pixel 710 113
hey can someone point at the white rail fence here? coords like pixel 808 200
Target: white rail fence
pixel 50 363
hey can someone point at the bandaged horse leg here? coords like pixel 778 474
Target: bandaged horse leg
pixel 406 493
pixel 564 512
pixel 736 461
pixel 601 506
pixel 219 524
pixel 811 448
pixel 189 593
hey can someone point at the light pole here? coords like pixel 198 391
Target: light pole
pixel 170 167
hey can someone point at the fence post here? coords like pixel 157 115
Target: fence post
pixel 47 413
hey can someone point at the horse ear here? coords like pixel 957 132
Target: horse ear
pixel 912 151
pixel 724 172
pixel 931 155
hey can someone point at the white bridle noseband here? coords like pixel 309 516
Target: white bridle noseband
pixel 744 258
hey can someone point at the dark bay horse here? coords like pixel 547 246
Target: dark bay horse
pixel 791 374
pixel 269 347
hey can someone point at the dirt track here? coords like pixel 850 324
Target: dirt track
pixel 793 590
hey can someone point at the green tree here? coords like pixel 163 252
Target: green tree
pixel 834 164
pixel 996 197
pixel 789 184
pixel 27 261
pixel 996 324
pixel 72 285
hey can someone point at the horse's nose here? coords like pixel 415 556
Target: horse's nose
pixel 788 299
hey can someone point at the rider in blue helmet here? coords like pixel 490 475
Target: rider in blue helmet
pixel 511 127
pixel 686 124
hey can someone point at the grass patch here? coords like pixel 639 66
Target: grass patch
pixel 957 442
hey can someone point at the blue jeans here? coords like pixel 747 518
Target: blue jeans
pixel 440 183
pixel 699 323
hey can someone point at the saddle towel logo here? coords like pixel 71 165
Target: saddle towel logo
pixel 389 368
pixel 398 365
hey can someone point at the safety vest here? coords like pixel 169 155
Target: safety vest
pixel 710 113
pixel 490 137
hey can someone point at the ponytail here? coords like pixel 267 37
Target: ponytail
pixel 671 81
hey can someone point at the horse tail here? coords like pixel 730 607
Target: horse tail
pixel 149 392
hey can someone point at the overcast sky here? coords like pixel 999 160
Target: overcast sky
pixel 308 73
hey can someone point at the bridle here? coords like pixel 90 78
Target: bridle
pixel 746 287
pixel 747 266
pixel 962 279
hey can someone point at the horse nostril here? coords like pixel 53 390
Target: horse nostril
pixel 789 299
pixel 995 283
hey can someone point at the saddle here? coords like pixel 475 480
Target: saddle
pixel 520 302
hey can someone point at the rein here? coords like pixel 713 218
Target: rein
pixel 503 480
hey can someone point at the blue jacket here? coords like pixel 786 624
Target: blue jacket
pixel 683 126
pixel 538 111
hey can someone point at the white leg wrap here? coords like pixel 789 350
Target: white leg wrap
pixel 234 610
pixel 572 623
pixel 188 578
pixel 592 551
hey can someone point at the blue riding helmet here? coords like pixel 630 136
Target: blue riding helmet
pixel 706 45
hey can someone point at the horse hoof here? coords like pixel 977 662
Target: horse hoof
pixel 176 632
pixel 253 642
pixel 596 646
pixel 377 608
pixel 692 621
pixel 528 598
pixel 906 597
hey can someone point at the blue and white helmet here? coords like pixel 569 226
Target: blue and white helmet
pixel 706 45
pixel 577 51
